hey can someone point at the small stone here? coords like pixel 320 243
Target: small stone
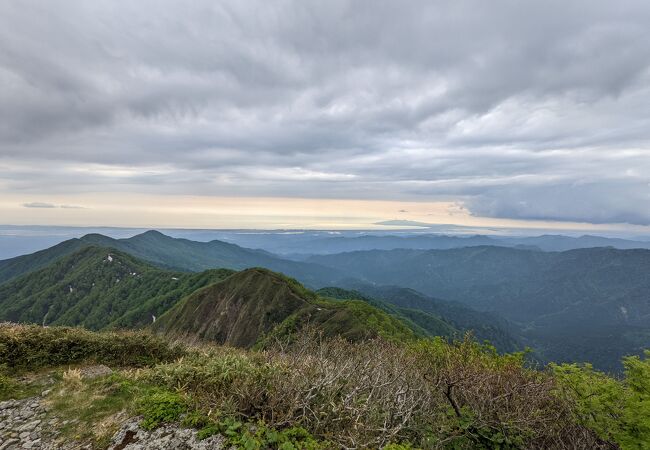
pixel 30 426
pixel 9 443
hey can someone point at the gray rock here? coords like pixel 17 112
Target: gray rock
pixel 21 424
pixel 9 444
pixel 99 370
pixel 169 437
pixel 29 426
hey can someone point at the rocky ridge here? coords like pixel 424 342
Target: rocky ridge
pixel 23 425
pixel 28 424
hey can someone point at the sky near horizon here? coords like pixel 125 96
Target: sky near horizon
pixel 337 114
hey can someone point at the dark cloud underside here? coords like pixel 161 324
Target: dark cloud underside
pixel 528 110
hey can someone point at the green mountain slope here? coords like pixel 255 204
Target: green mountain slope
pixel 256 303
pixel 98 288
pixel 175 254
pixel 20 265
pixel 522 285
pixel 564 302
pixel 423 323
pixel 484 326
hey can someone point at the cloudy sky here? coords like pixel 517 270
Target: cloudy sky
pixel 325 114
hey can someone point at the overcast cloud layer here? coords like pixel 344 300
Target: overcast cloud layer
pixel 528 110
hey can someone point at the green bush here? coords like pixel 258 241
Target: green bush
pixel 617 410
pixel 234 380
pixel 262 437
pixel 160 407
pixel 259 436
pixel 8 387
pixel 30 347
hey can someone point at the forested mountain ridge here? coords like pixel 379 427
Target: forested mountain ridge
pixel 175 254
pixel 424 323
pixel 98 288
pixel 103 288
pixel 579 305
pixel 483 326
pixel 257 304
pixel 503 279
pixel 562 300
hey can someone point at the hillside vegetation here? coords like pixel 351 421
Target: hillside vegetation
pixel 98 288
pixel 103 288
pixel 172 254
pixel 484 326
pixel 318 393
pixel 423 323
pixel 579 305
pixel 257 304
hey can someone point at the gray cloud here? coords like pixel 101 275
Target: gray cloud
pixel 39 205
pixel 51 205
pixel 531 110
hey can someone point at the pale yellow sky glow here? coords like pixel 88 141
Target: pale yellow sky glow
pixel 157 211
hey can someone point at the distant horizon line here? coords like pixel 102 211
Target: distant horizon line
pixel 432 229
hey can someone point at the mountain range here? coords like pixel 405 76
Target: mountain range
pixel 297 245
pixel 98 288
pixel 80 282
pixel 174 254
pixel 580 305
pixel 257 305
pixel 103 288
pixel 560 300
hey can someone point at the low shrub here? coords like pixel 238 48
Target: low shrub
pixel 30 347
pixel 160 407
pixel 259 436
pixel 222 379
pixel 310 392
pixel 375 393
pixel 617 410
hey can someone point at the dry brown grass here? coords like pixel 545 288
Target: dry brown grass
pixel 369 394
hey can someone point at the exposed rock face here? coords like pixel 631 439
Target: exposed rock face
pixel 23 425
pixel 95 371
pixel 169 437
pixel 26 424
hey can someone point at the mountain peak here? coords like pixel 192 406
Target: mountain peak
pixel 250 306
pixel 96 238
pixel 152 234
